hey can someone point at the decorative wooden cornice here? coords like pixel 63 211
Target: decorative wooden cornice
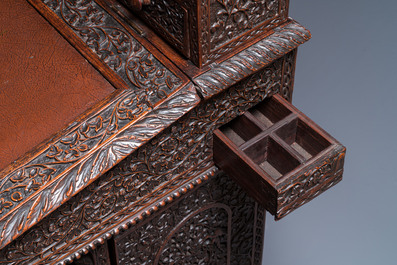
pixel 284 39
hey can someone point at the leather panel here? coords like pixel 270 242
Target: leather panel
pixel 44 82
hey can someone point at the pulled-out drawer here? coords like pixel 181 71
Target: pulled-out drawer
pixel 278 155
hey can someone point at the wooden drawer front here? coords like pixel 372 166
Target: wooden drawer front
pixel 281 157
pixel 207 30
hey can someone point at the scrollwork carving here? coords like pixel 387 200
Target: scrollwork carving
pixel 69 163
pixel 82 172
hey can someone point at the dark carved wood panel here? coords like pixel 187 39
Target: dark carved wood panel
pixel 231 18
pixel 216 224
pixel 170 20
pixel 206 30
pixel 97 256
pixel 165 164
pixel 75 172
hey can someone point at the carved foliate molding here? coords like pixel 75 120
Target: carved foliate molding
pixel 221 76
pixel 58 180
pixel 169 161
pixel 89 148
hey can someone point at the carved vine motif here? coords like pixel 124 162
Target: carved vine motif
pixel 165 163
pixel 217 224
pixel 116 47
pixel 181 237
pixel 70 148
pixel 231 18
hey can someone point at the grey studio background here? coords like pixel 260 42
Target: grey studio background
pixel 346 81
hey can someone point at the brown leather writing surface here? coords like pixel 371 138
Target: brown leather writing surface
pixel 44 82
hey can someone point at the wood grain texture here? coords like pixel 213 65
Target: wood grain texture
pixel 122 55
pixel 152 95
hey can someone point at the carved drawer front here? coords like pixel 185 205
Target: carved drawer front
pixel 278 155
pixel 205 30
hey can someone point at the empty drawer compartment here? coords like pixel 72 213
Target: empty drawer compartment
pixel 278 155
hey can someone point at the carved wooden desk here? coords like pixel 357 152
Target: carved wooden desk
pixel 107 125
